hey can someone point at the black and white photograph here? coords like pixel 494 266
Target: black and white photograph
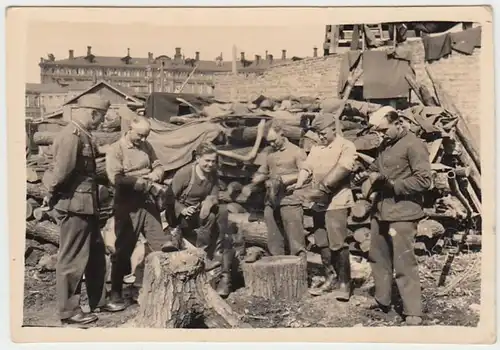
pixel 311 173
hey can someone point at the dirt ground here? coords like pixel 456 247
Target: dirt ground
pixel 457 303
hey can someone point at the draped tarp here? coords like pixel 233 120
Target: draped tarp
pixel 174 144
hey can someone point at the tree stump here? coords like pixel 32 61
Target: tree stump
pixel 277 277
pixel 176 294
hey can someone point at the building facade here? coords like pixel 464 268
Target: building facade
pixel 46 98
pixel 148 74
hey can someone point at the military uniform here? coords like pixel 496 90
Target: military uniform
pixel 405 164
pixel 72 184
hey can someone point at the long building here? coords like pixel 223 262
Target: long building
pixel 147 74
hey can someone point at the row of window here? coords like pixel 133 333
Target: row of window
pixel 128 72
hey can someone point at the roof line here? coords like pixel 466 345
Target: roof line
pixel 114 88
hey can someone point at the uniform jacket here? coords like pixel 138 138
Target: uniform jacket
pixel 72 177
pixel 406 163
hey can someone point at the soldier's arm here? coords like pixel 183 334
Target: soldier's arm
pixel 65 151
pixel 305 169
pixel 348 156
pixel 262 172
pixel 421 178
pixel 116 173
pixel 158 169
pixel 179 183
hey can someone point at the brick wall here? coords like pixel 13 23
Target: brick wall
pixel 459 74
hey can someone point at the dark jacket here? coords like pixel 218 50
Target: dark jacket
pixel 405 162
pixel 72 177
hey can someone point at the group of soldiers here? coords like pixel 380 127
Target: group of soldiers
pixel 400 175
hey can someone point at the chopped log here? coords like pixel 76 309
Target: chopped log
pixel 365 246
pixel 47 262
pixel 463 132
pixel 31 175
pixel 362 234
pixel 277 277
pixel 361 210
pixel 31 205
pixel 46 138
pixel 470 240
pixel 254 233
pixel 176 294
pixel 45 231
pixel 430 228
pixel 37 191
pixel 235 208
pixel 420 248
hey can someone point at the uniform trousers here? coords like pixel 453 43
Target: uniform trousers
pixel 395 252
pixel 133 217
pixel 81 251
pixel 330 228
pixel 285 227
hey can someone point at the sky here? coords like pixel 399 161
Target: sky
pixel 114 39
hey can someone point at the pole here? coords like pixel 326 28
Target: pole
pixel 235 73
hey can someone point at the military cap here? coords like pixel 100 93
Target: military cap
pixel 93 101
pixel 323 121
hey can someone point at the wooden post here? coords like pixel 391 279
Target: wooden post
pixel 162 77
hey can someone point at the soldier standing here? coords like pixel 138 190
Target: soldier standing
pixel 330 166
pixel 400 174
pixel 72 189
pixel 133 168
pixel 283 213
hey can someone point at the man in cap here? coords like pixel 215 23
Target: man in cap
pixel 330 166
pixel 134 169
pixel 72 188
pixel 280 169
pixel 400 175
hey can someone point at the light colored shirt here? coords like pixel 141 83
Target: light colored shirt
pixel 285 161
pixel 124 158
pixel 322 159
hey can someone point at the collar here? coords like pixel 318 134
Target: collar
pixel 284 145
pixel 125 142
pixel 82 128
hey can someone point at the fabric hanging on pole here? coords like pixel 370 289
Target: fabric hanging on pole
pixel 436 47
pixel 465 41
pixel 384 77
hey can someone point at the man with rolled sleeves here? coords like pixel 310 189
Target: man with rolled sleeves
pixel 280 171
pixel 330 166
pixel 72 188
pixel 400 175
pixel 134 169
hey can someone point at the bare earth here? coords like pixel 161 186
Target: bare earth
pixel 456 303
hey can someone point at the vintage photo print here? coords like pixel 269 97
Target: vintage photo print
pixel 234 171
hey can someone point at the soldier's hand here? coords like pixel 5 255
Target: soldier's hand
pixel 360 177
pixel 189 211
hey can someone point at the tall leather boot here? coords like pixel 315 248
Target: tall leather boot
pixel 329 284
pixel 344 271
pixel 224 286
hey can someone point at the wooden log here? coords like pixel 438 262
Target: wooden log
pixel 420 248
pixel 176 294
pixel 45 138
pixel 365 246
pixel 37 190
pixel 471 240
pixel 277 277
pixel 463 132
pixel 45 231
pixel 254 233
pixel 430 228
pixel 31 205
pixel 362 234
pixel 361 210
pixel 420 91
pixel 31 175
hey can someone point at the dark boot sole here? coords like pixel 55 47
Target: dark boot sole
pixel 76 323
